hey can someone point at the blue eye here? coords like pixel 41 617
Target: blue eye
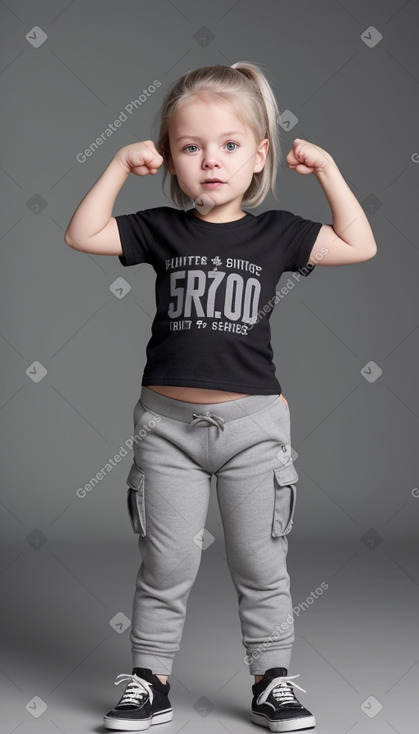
pixel 187 147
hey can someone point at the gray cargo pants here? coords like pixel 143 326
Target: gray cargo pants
pixel 246 444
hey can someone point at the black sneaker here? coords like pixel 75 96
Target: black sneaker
pixel 143 703
pixel 275 705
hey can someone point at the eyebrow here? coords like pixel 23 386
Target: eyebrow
pixel 222 135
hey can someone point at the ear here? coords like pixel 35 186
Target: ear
pixel 261 154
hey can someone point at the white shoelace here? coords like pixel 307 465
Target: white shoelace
pixel 136 689
pixel 281 690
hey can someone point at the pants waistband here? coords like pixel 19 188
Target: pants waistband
pixel 183 411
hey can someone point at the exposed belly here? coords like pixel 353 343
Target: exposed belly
pixel 196 394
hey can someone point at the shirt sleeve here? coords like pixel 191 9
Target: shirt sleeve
pixel 298 236
pixel 137 235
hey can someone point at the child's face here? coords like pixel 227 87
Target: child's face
pixel 207 151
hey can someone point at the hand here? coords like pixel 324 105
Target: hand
pixel 305 157
pixel 140 158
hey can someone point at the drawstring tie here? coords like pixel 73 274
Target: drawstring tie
pixel 216 420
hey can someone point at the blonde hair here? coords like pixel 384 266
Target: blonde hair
pixel 245 86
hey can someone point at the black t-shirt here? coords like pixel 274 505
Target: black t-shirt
pixel 215 291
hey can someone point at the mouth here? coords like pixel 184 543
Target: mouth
pixel 212 180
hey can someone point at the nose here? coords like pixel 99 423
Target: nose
pixel 210 158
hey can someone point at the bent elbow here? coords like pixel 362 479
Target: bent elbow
pixel 69 241
pixel 373 252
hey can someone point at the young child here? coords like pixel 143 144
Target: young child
pixel 210 401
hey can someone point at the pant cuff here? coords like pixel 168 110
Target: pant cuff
pixel 258 663
pixel 158 665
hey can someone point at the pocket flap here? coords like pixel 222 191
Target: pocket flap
pixel 285 478
pixel 286 475
pixel 136 499
pixel 135 478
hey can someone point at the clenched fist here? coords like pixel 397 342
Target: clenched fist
pixel 141 158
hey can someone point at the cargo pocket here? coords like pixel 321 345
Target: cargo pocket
pixel 285 498
pixel 136 499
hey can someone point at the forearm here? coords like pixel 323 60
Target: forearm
pixel 349 219
pixel 95 210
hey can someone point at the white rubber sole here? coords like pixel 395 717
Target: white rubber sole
pixel 140 725
pixel 287 725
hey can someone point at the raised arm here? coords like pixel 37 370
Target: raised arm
pixel 350 239
pixel 92 228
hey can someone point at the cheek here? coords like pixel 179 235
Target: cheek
pixel 183 165
pixel 244 166
pixel 184 172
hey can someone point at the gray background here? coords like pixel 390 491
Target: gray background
pixel 68 564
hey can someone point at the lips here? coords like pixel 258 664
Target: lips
pixel 213 180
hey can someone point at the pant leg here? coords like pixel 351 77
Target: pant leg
pixel 256 494
pixel 173 505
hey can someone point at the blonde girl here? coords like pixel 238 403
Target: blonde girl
pixel 210 400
